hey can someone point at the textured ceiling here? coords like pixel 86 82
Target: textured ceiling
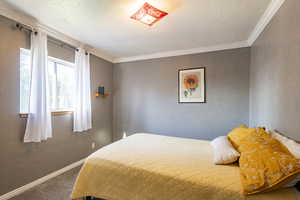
pixel 105 24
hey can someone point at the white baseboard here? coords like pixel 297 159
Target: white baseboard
pixel 40 181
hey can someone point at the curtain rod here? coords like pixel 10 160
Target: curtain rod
pixel 61 43
pixel 25 27
pixel 30 29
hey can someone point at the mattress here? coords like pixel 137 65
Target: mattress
pixel 153 167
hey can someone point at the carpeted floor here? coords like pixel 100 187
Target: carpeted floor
pixel 58 188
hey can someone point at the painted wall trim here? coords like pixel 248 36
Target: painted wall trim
pixel 269 13
pixel 11 13
pixel 234 45
pixel 39 181
pixel 265 19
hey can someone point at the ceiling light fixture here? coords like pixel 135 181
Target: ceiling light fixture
pixel 148 14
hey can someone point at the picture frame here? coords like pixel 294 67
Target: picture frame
pixel 192 85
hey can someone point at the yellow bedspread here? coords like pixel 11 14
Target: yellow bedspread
pixel 152 167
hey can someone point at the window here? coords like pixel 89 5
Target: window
pixel 61 81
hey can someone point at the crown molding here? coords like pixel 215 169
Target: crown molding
pixel 269 13
pixel 11 13
pixel 234 45
pixel 99 53
pixel 7 11
pixel 265 19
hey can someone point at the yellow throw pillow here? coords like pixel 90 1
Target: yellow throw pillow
pixel 265 164
pixel 238 134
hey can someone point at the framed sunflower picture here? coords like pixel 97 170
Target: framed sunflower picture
pixel 191 85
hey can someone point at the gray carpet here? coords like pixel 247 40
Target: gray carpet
pixel 58 188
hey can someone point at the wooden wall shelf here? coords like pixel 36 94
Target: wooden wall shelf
pixel 101 95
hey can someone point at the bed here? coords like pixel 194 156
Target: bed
pixel 153 167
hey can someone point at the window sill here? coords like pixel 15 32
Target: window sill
pixel 56 113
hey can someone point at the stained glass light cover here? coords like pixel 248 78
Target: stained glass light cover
pixel 148 14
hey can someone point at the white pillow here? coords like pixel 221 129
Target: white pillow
pixel 224 153
pixel 290 144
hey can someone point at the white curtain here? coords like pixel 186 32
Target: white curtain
pixel 39 125
pixel 82 108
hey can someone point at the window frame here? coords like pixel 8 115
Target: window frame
pixel 56 61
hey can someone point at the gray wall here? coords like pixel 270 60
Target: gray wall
pixel 145 95
pixel 275 73
pixel 22 163
pixel 145 98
